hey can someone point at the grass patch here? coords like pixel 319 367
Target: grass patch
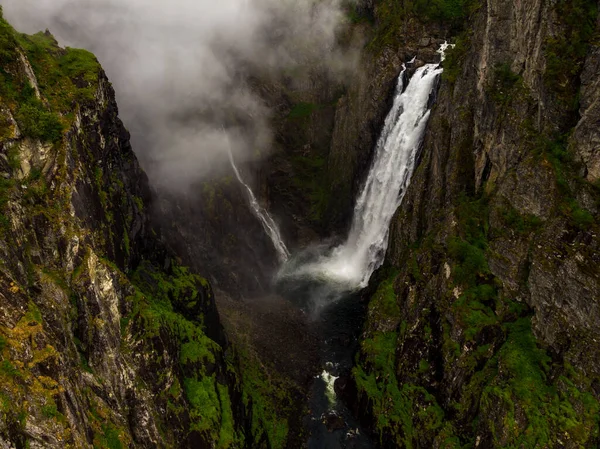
pixel 65 76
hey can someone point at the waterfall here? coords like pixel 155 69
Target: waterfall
pixel 263 216
pixel 351 265
pixel 388 180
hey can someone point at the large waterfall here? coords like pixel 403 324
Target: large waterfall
pixel 351 265
pixel 263 216
pixel 387 182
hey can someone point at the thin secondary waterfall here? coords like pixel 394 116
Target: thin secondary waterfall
pixel 263 216
pixel 351 265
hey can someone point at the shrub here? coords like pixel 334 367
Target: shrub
pixel 37 123
pixel 472 263
pixel 504 82
pixel 455 58
pixel 566 51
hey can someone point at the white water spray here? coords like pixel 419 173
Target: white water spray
pixel 263 216
pixel 352 264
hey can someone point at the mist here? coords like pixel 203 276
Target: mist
pixel 180 68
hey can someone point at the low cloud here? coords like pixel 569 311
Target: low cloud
pixel 180 68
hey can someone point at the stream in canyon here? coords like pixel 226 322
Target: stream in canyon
pixel 326 282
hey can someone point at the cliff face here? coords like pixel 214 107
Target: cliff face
pixel 484 329
pixel 105 339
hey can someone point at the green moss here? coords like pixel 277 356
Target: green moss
pixel 33 314
pixel 474 312
pixel 555 151
pixel 139 203
pixel 160 310
pixel 357 15
pixel 401 411
pixel 268 395
pixel 302 111
pixel 204 402
pixel 468 249
pixel 384 305
pixel 309 177
pixel 8 55
pixel 471 261
pixel 50 410
pixel 9 370
pixel 423 366
pixel 6 187
pixel 110 438
pixel 14 159
pixel 392 17
pixel 447 11
pixel 63 76
pixel 197 351
pixel 227 434
pixel 581 217
pixel 126 242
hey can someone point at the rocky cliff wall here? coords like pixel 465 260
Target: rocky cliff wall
pixel 106 340
pixel 484 328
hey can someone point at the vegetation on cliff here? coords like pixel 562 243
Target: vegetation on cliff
pixel 105 340
pixel 460 347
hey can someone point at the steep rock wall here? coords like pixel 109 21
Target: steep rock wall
pixel 484 327
pixel 105 339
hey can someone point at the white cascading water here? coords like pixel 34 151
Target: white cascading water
pixel 263 216
pixel 351 265
pixel 388 180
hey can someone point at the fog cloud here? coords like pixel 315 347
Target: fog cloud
pixel 179 67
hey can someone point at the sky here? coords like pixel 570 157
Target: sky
pixel 180 68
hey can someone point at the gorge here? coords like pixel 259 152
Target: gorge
pixel 367 248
